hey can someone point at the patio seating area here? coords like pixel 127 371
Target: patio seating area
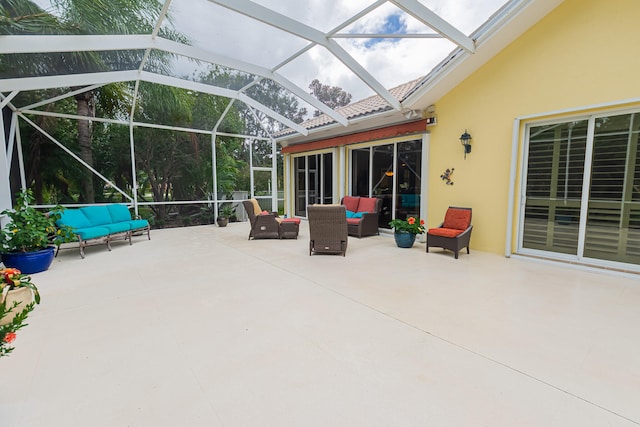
pixel 201 327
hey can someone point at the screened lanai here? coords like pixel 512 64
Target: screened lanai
pixel 163 103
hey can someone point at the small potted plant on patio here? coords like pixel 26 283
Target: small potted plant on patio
pixel 28 241
pixel 18 296
pixel 406 230
pixel 225 212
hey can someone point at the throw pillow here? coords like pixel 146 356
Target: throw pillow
pixel 351 203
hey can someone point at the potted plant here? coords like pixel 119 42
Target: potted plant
pixel 28 241
pixel 406 230
pixel 18 296
pixel 225 212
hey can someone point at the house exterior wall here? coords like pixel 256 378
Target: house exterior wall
pixel 584 53
pixel 582 58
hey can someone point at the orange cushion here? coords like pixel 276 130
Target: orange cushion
pixel 351 203
pixel 458 219
pixel 354 221
pixel 294 220
pixel 445 232
pixel 367 204
pixel 265 213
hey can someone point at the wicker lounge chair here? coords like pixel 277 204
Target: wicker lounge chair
pixel 327 229
pixel 454 233
pixel 263 226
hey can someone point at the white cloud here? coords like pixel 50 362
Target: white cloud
pixel 218 30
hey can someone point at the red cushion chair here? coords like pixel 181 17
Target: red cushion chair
pixel 454 233
pixel 367 209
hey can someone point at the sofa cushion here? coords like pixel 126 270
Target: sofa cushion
pixel 117 227
pixel 73 218
pixel 97 215
pixel 354 221
pixel 351 203
pixel 119 212
pixel 458 219
pixel 136 224
pixel 445 232
pixel 367 204
pixel 92 232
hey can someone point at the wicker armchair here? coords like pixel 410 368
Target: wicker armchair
pixel 454 233
pixel 367 210
pixel 263 226
pixel 327 229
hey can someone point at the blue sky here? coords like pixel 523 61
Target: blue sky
pixel 394 24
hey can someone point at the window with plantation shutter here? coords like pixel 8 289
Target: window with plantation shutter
pixel 554 186
pixel 612 229
pixel 554 218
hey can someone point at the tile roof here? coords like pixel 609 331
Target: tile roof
pixel 364 107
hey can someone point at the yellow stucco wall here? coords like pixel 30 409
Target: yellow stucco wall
pixel 585 52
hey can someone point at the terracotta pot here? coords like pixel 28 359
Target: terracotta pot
pixel 23 295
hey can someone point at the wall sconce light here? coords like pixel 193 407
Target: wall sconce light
pixel 412 114
pixel 388 173
pixel 465 140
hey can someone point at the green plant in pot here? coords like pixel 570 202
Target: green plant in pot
pixel 225 213
pixel 29 239
pixel 406 230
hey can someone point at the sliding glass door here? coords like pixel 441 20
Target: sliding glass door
pixel 313 181
pixel 613 215
pixel 582 190
pixel 554 187
pixel 391 172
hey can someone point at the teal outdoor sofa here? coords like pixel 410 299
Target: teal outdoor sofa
pixel 103 224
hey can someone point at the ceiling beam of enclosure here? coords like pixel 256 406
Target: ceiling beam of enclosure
pixel 310 36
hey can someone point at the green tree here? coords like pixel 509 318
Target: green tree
pixel 85 17
pixel 332 96
pixel 103 17
pixel 26 17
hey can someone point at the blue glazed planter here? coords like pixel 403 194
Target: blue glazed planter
pixel 404 239
pixel 29 262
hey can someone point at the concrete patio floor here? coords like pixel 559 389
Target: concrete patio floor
pixel 201 327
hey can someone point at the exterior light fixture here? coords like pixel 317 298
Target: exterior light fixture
pixel 465 140
pixel 388 173
pixel 412 114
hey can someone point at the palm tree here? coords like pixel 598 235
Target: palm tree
pixel 103 17
pixel 84 17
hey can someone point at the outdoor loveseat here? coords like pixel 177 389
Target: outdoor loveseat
pixel 102 224
pixel 362 215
